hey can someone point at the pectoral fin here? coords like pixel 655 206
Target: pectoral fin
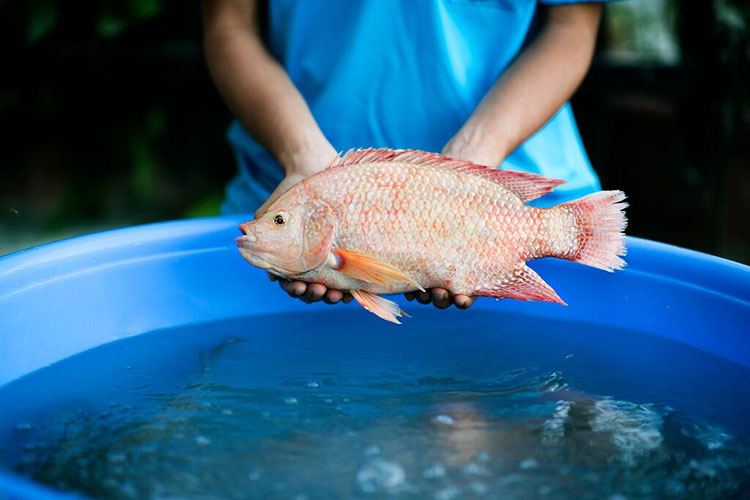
pixel 369 269
pixel 383 308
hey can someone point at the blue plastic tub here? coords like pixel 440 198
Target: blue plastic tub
pixel 64 298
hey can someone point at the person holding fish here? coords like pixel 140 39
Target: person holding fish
pixel 484 82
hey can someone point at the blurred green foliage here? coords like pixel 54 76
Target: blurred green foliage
pixel 112 18
pixel 42 18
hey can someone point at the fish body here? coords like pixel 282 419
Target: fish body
pixel 390 221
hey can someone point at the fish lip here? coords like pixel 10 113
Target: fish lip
pixel 256 261
pixel 248 236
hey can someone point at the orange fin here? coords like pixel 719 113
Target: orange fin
pixel 369 269
pixel 527 186
pixel 383 308
pixel 522 284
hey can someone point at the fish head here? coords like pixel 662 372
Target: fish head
pixel 292 237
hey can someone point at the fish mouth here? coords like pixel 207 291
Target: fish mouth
pixel 244 245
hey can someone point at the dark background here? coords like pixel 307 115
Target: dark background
pixel 109 119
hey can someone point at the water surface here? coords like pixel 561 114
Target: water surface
pixel 479 405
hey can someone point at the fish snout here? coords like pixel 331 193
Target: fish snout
pixel 247 231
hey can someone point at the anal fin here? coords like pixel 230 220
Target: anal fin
pixel 383 308
pixel 522 284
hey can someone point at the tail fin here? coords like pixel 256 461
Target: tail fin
pixel 600 219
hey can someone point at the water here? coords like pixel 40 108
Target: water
pixel 479 405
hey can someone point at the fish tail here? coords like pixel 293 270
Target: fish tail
pixel 597 237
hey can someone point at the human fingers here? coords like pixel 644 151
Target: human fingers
pixel 295 288
pixel 424 297
pixel 463 301
pixel 333 296
pixel 315 292
pixel 441 298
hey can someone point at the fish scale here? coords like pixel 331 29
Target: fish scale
pixel 386 221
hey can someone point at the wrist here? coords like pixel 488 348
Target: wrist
pixel 477 146
pixel 306 157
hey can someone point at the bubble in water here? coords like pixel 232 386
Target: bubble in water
pixel 478 487
pixel 116 458
pixel 328 400
pixel 313 385
pixel 227 411
pixel 372 451
pixel 443 419
pixel 380 474
pixel 448 493
pixel 528 463
pixel 24 426
pixel 434 471
pixel 474 469
pixel 202 441
pixel 254 475
pixel 290 401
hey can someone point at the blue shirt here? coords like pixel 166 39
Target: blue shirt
pixel 403 74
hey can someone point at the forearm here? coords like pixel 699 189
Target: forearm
pixel 257 89
pixel 533 88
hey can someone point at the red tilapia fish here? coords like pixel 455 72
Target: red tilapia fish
pixel 381 221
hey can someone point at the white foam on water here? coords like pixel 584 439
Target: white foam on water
pixel 379 474
pixel 553 429
pixel 635 430
pixel 711 437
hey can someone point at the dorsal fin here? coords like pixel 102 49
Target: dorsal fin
pixel 527 186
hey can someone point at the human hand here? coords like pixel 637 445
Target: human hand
pixel 441 298
pixel 311 292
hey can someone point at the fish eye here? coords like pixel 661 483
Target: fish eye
pixel 279 220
